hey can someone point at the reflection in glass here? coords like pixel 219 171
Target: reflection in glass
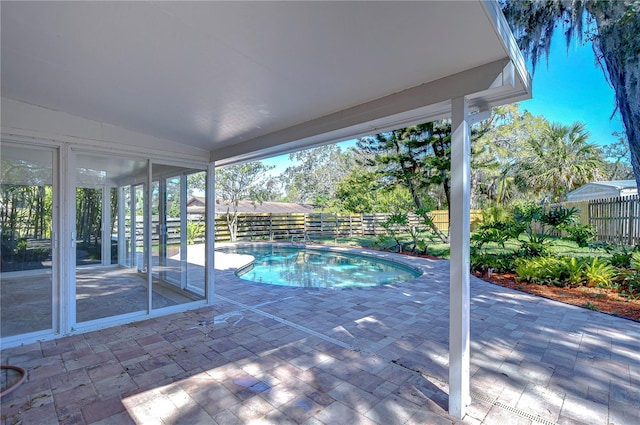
pixel 26 203
pixel 178 275
pixel 109 237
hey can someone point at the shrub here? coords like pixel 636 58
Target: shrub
pixel 628 283
pixel 395 225
pixel 559 216
pixel 535 246
pixel 575 271
pixel 495 213
pixel 501 263
pixel 597 272
pixel 527 213
pixel 582 234
pixel 542 270
pixel 497 232
pixel 635 260
pixel 195 230
pixel 621 259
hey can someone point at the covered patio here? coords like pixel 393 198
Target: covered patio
pixel 265 354
pixel 128 103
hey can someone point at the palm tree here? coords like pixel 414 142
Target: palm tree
pixel 560 160
pixel 615 32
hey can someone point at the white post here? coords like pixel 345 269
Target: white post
pixel 184 223
pixel 210 233
pixel 105 232
pixel 66 302
pixel 459 394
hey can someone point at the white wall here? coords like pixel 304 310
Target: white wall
pixel 21 119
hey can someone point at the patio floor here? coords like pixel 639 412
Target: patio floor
pixel 267 354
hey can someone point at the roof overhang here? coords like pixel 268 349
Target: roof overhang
pixel 245 80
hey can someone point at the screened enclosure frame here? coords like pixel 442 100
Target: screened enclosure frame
pixel 67 273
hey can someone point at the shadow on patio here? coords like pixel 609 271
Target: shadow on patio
pixel 380 355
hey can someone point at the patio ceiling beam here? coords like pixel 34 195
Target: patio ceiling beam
pixel 483 86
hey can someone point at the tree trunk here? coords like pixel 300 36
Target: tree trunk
pixel 619 44
pixel 425 215
pixel 232 224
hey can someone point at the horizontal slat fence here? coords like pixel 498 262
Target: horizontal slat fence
pixel 299 226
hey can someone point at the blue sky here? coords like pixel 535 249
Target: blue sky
pixel 571 88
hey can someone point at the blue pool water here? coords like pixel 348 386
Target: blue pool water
pixel 313 268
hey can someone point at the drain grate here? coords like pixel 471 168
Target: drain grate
pixel 475 396
pixel 534 418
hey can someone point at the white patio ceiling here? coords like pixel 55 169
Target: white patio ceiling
pixel 243 80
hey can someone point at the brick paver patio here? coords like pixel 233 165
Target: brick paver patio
pixel 266 354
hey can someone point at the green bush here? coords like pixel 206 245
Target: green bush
pixel 195 230
pixel 627 282
pixel 598 272
pixel 621 259
pixel 635 260
pixel 501 263
pixel 575 271
pixel 496 232
pixel 542 270
pixel 582 234
pixel 534 246
pixel 559 216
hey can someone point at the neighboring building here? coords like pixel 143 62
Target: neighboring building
pixel 605 189
pixel 196 207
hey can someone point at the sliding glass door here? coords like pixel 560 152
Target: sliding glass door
pixel 127 240
pixel 27 229
pixel 110 256
pixel 178 234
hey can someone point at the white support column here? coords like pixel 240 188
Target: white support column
pixel 66 295
pixel 105 232
pixel 459 314
pixel 148 233
pixel 122 229
pixel 210 232
pixel 184 223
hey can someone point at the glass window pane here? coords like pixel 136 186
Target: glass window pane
pixel 26 200
pixel 110 277
pixel 176 238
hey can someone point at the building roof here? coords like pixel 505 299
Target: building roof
pixel 196 205
pixel 603 189
pixel 268 207
pixel 234 81
pixel 615 184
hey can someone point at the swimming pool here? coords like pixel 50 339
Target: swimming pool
pixel 318 268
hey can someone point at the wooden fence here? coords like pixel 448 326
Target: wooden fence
pixel 299 226
pixel 615 220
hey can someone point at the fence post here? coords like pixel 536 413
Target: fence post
pixel 270 226
pixel 630 228
pixel 350 225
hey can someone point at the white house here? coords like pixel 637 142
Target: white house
pixel 131 98
pixel 604 189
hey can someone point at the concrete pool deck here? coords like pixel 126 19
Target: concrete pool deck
pixel 267 354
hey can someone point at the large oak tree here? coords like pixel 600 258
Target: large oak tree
pixel 614 29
